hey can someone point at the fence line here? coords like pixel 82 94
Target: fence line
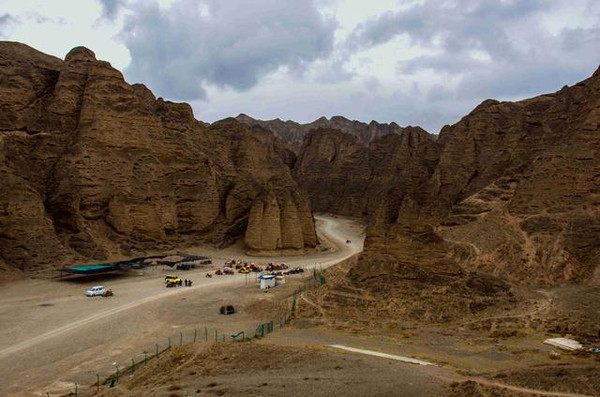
pixel 110 377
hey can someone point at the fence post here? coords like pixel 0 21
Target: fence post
pixel 223 338
pixel 180 338
pixel 195 334
pixel 169 343
pixel 156 355
pixel 145 361
pixel 97 383
pixel 216 340
pixel 76 391
pixel 206 333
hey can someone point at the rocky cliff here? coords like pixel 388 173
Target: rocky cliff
pixel 293 133
pixel 507 196
pixel 93 167
pixel 516 186
pixel 345 177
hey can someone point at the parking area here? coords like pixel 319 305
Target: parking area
pixel 51 330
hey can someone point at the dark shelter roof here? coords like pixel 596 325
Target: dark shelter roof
pixel 124 265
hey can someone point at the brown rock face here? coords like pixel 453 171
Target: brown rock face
pixel 345 177
pixel 508 194
pixel 93 167
pixel 276 222
pixel 292 133
pixel 516 182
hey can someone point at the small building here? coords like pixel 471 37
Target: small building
pixel 266 281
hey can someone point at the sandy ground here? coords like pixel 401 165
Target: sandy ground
pixel 254 369
pixel 52 335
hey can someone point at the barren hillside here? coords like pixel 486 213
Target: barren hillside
pixel 507 196
pixel 93 167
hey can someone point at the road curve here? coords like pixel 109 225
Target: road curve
pixel 333 228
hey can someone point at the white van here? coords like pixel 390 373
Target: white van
pixel 95 291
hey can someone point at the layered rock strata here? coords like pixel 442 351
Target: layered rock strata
pixel 93 167
pixel 508 196
pixel 345 177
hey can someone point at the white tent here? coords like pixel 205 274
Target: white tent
pixel 266 281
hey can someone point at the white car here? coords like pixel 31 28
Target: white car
pixel 95 291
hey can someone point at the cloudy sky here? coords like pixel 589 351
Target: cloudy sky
pixel 426 62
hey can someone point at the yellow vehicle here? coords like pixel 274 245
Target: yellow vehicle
pixel 244 270
pixel 172 280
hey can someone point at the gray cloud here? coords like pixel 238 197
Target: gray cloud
pixel 6 21
pixel 333 73
pixel 493 49
pixel 459 24
pixel 110 8
pixel 179 50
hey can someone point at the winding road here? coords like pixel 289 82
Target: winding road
pixel 48 325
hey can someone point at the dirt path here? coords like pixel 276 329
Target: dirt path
pixel 382 355
pixel 457 377
pixel 525 390
pixel 49 329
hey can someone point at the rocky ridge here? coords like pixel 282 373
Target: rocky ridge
pixel 510 197
pixel 93 167
pixel 293 133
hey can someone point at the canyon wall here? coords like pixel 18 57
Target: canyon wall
pixel 344 176
pixel 95 168
pixel 507 196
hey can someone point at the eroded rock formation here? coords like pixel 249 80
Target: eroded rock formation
pixel 508 196
pixel 516 186
pixel 345 177
pixel 292 133
pixel 93 167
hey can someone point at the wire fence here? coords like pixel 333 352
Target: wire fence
pixel 93 382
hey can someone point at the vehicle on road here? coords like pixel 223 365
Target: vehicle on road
pixel 172 280
pixel 227 309
pixel 95 291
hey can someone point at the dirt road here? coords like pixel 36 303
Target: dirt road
pixel 50 330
